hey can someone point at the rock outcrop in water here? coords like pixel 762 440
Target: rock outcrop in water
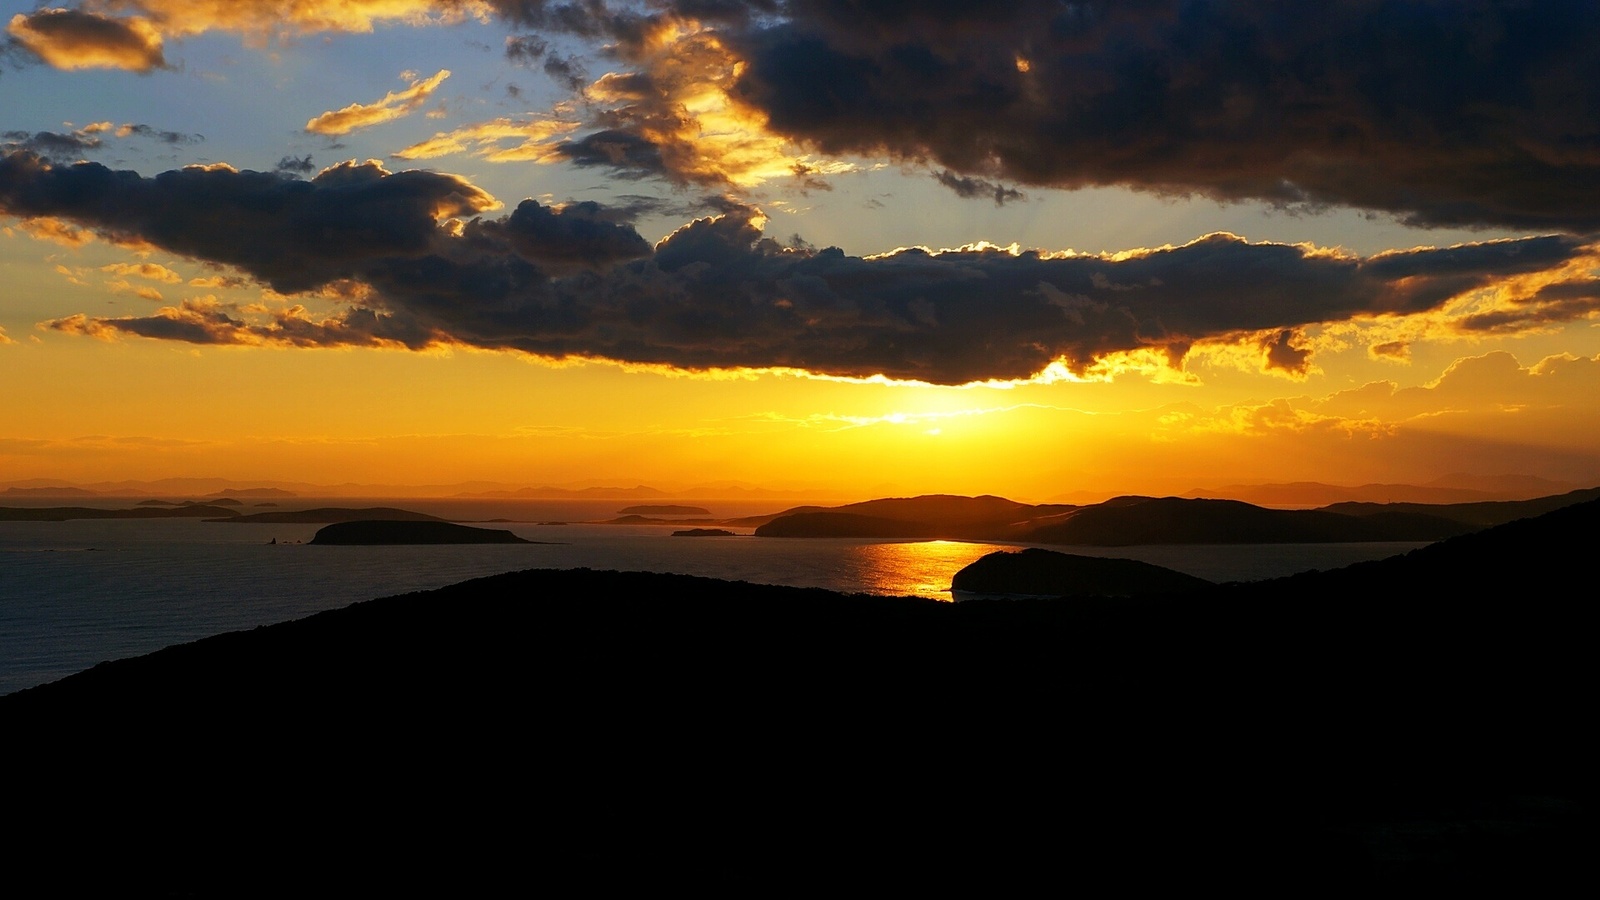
pixel 1047 573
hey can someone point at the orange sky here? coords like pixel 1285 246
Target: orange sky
pixel 441 242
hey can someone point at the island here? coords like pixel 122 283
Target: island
pixel 704 532
pixel 664 510
pixel 325 514
pixel 1046 573
pixel 378 532
pixel 68 513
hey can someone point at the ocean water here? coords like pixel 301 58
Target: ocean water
pixel 73 594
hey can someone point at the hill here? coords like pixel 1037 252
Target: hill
pixel 1415 723
pixel 407 532
pixel 336 514
pixel 1048 573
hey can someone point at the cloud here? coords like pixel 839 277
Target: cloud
pixel 968 187
pixel 507 139
pixel 51 143
pixel 1396 351
pixel 56 231
pixel 150 271
pixel 291 234
pixel 195 322
pixel 1285 352
pixel 71 39
pixel 577 281
pixel 394 105
pixel 295 165
pixel 1457 114
pixel 73 144
pixel 261 20
pixel 132 129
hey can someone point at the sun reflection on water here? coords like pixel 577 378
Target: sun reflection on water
pixel 917 568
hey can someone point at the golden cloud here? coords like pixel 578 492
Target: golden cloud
pixel 69 39
pixel 56 231
pixel 394 105
pixel 498 140
pixel 150 271
pixel 274 19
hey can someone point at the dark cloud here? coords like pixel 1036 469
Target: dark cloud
pixel 74 144
pixel 1472 113
pixel 1552 304
pixel 295 165
pixel 1285 352
pixel 50 143
pixel 626 154
pixel 578 281
pixel 1395 350
pixel 968 187
pixel 291 234
pixel 166 137
pixel 526 49
pixel 73 39
pixel 566 71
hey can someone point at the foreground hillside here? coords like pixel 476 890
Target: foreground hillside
pixel 1418 722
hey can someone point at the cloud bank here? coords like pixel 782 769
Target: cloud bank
pixel 1475 113
pixel 579 281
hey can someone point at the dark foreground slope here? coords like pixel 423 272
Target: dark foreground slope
pixel 1418 723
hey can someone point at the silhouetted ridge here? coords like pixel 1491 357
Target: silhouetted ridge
pixel 1172 520
pixel 68 513
pixel 1420 723
pixel 337 514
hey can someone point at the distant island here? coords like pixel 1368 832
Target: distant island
pixel 704 532
pixel 1126 521
pixel 69 513
pixel 1046 573
pixel 667 510
pixel 379 532
pixel 335 514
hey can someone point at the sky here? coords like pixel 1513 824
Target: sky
pixel 861 248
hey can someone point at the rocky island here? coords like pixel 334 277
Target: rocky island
pixel 1046 573
pixel 403 532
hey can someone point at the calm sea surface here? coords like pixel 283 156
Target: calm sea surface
pixel 73 594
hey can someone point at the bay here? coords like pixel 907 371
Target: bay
pixel 73 594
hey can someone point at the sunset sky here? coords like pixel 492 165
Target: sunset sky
pixel 1023 248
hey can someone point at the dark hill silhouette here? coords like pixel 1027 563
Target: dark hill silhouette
pixel 1478 515
pixel 664 510
pixel 331 514
pixel 840 524
pixel 929 516
pixel 1048 573
pixel 404 532
pixel 1173 520
pixel 1416 724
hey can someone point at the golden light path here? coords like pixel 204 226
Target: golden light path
pixel 916 568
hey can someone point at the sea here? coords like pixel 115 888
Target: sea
pixel 76 593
